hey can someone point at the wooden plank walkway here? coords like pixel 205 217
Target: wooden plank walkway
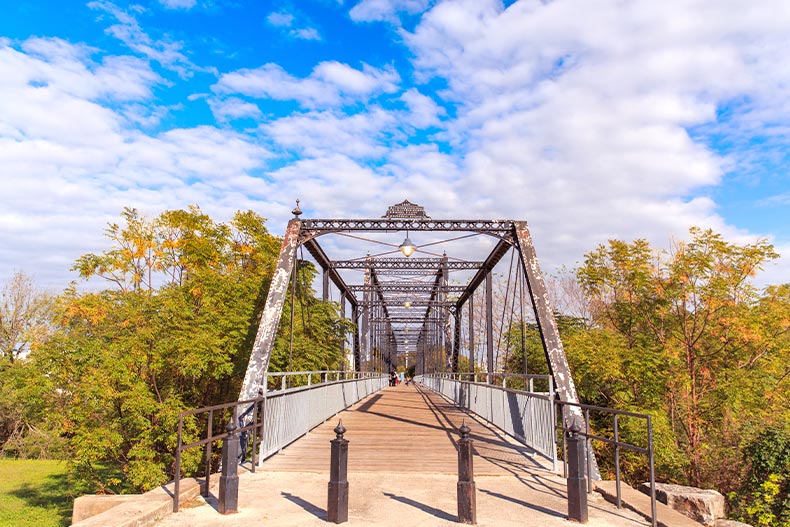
pixel 402 470
pixel 407 429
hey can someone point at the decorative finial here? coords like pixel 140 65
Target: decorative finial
pixel 465 430
pixel 575 426
pixel 340 429
pixel 297 211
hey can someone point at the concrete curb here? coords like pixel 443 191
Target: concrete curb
pixel 640 503
pixel 140 510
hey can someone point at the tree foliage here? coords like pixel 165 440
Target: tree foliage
pixel 174 331
pixel 24 327
pixel 687 336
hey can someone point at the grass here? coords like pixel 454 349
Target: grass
pixel 34 493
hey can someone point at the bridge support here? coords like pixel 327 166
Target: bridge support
pixel 467 500
pixel 229 480
pixel 577 483
pixel 273 309
pixel 337 506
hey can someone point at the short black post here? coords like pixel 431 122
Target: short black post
pixel 577 484
pixel 467 502
pixel 229 479
pixel 337 508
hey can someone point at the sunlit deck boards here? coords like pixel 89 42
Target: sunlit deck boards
pixel 405 429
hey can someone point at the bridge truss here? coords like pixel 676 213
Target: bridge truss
pixel 406 307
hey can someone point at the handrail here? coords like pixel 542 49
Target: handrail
pixel 586 409
pixel 529 378
pixel 252 418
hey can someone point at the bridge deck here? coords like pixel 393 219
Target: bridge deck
pixel 402 471
pixel 406 429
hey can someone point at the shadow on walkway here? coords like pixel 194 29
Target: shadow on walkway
pixel 421 506
pixel 315 510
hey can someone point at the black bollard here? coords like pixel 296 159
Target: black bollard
pixel 337 508
pixel 577 484
pixel 229 479
pixel 467 501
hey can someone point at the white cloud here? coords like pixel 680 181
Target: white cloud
pixel 70 162
pixel 329 183
pixel 301 29
pixel 423 111
pixel 225 110
pixel 386 10
pixel 331 83
pixel 319 134
pixel 128 30
pixel 280 19
pixel 307 33
pixel 178 4
pixel 575 115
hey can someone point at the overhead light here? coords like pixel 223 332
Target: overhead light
pixel 407 247
pixel 407 303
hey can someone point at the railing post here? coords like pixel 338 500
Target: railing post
pixel 209 449
pixel 577 488
pixel 337 507
pixel 177 481
pixel 467 502
pixel 229 480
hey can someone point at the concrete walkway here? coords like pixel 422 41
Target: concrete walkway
pixel 299 499
pixel 402 471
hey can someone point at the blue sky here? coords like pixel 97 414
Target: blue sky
pixel 591 119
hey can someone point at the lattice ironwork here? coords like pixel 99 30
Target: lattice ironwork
pixel 398 303
pixel 384 264
pixel 408 288
pixel 405 209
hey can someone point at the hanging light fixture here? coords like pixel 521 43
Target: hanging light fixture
pixel 407 247
pixel 407 303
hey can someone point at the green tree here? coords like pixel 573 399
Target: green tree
pixel 311 332
pixel 764 499
pixel 24 326
pixel 173 332
pixel 695 336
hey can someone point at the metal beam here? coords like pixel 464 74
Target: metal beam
pixel 408 287
pixel 547 325
pixel 316 227
pixel 493 258
pixel 456 342
pixel 398 302
pixel 258 364
pixel 471 307
pixel 382 264
pixel 489 327
pixel 323 260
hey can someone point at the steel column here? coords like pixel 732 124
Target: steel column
pixel 258 364
pixel 471 307
pixel 456 342
pixel 365 326
pixel 356 336
pixel 547 326
pixel 489 327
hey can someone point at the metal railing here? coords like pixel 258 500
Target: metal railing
pixel 534 418
pixel 530 420
pixel 276 418
pixel 618 444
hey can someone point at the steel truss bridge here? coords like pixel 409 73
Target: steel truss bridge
pixel 407 310
pixel 407 306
